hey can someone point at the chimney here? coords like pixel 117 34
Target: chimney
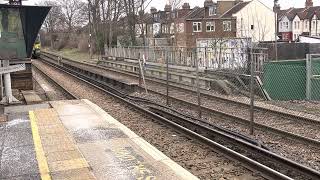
pixel 208 3
pixel 167 8
pixel 276 8
pixel 153 10
pixel 186 6
pixel 309 3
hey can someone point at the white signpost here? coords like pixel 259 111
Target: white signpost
pixel 6 70
pixel 13 68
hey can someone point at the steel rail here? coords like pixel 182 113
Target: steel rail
pixel 206 130
pixel 247 162
pixel 236 119
pixel 189 88
pixel 70 94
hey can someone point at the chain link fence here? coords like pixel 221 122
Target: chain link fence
pixel 241 72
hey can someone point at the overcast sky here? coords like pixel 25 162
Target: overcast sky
pixel 159 4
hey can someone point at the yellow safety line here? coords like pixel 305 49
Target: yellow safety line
pixel 42 161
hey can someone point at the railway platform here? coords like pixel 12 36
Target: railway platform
pixel 76 139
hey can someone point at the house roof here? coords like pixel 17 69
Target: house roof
pixel 196 13
pixel 302 13
pixel 234 9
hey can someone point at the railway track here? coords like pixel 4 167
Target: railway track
pixel 300 128
pixel 285 168
pixel 68 94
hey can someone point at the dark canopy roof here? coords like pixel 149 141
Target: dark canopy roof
pixel 32 18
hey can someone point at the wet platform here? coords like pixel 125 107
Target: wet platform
pixel 77 140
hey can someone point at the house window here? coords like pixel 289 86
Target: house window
pixel 180 27
pixel 173 14
pixel 313 24
pixel 197 27
pixel 172 28
pixel 286 25
pixel 164 28
pixel 226 25
pixel 212 11
pixel 306 25
pixel 210 26
pixel 156 17
pixel 296 24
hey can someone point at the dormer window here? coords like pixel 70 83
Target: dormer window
pixel 212 11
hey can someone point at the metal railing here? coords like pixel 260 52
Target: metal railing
pixel 233 59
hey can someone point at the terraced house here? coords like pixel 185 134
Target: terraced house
pixel 294 22
pixel 221 20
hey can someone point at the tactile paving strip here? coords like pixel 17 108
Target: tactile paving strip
pixel 58 156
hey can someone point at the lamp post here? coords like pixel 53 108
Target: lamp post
pixel 276 30
pixel 90 35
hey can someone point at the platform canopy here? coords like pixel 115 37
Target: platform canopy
pixel 19 27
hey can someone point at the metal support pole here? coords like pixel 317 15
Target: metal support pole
pixel 167 64
pixel 251 91
pixel 90 35
pixel 8 99
pixel 308 77
pixel 140 80
pixel 1 83
pixel 276 36
pixel 198 86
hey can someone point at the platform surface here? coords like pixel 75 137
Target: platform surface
pixel 78 140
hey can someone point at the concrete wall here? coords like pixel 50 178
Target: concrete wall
pixel 291 51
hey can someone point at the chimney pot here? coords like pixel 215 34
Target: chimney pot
pixel 153 10
pixel 208 3
pixel 167 8
pixel 309 3
pixel 186 6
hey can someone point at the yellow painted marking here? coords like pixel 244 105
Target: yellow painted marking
pixel 68 164
pixel 42 161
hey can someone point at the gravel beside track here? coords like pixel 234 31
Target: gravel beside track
pixel 308 155
pixel 291 125
pixel 294 126
pixel 52 92
pixel 310 107
pixel 197 158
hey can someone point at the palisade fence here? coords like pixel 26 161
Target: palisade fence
pixel 210 58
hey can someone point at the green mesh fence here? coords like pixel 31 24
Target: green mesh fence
pixel 285 80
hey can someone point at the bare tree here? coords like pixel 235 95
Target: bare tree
pixel 74 12
pixel 53 20
pixel 131 9
pixel 95 11
pixel 111 12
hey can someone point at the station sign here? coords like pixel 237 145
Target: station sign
pixel 13 68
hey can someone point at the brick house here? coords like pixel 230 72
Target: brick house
pixel 224 19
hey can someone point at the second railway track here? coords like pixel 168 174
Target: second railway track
pixel 305 134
